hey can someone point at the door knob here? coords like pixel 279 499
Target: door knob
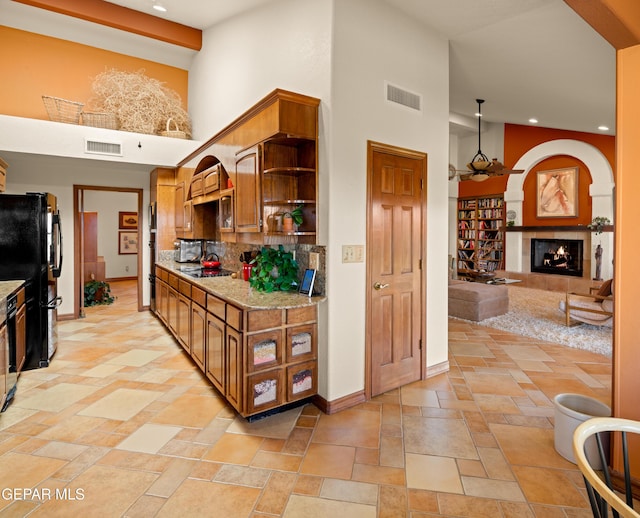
pixel 378 286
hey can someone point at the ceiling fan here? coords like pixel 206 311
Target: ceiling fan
pixel 481 168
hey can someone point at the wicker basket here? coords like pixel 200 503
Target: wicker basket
pixel 175 133
pixel 100 120
pixel 61 110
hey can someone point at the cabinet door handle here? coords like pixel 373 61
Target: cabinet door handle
pixel 378 286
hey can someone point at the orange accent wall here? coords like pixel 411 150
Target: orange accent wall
pixel 520 139
pixel 34 65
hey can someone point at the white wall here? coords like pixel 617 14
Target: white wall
pixel 57 176
pixel 374 43
pixel 292 44
pixel 107 204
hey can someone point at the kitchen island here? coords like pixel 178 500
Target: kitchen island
pixel 259 350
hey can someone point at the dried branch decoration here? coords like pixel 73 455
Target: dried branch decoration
pixel 142 104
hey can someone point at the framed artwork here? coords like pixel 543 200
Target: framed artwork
pixel 127 242
pixel 128 220
pixel 557 193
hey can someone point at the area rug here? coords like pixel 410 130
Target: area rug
pixel 535 313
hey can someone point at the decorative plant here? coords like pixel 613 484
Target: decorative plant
pixel 275 270
pixel 97 293
pixel 295 214
pixel 598 224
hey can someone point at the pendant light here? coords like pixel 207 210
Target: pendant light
pixel 479 163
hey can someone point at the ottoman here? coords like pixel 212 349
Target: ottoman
pixel 476 301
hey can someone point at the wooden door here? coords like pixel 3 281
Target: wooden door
pixel 247 187
pixel 395 243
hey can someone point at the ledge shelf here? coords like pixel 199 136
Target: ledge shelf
pixel 566 228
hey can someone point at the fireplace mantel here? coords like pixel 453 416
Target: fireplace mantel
pixel 567 228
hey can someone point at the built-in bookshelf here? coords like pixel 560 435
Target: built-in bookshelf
pixel 480 234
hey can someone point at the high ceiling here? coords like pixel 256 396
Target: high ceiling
pixel 526 58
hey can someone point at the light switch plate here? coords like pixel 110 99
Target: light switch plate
pixel 352 253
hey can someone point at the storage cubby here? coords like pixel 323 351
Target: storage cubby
pixel 288 181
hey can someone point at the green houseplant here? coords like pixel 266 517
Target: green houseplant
pixel 598 224
pixel 275 269
pixel 97 293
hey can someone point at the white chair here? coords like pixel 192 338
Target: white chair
pixel 602 496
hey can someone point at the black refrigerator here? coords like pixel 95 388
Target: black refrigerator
pixel 31 250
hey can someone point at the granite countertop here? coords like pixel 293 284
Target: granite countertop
pixel 8 287
pixel 240 293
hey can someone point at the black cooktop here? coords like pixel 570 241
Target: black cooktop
pixel 198 272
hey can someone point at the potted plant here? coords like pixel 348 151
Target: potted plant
pixel 275 269
pixel 291 217
pixel 598 224
pixel 97 293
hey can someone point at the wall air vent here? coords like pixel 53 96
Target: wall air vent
pixel 398 95
pixel 98 147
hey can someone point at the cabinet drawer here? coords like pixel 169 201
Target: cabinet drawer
pixel 3 180
pixel 173 281
pixel 184 288
pixel 264 390
pixel 234 317
pixel 264 319
pixel 216 307
pixel 199 296
pixel 211 179
pixel 302 343
pixel 163 275
pixel 264 350
pixel 302 380
pixel 300 315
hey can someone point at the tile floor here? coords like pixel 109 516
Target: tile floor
pixel 123 424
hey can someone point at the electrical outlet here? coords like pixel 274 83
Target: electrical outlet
pixel 126 268
pixel 314 260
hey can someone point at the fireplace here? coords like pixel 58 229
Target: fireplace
pixel 557 256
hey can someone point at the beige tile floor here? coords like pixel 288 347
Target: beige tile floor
pixel 123 424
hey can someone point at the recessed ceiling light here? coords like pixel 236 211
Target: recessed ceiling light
pixel 533 121
pixel 603 128
pixel 160 7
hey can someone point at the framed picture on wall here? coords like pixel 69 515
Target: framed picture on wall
pixel 127 242
pixel 557 193
pixel 128 220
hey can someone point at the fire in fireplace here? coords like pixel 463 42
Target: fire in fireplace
pixel 557 256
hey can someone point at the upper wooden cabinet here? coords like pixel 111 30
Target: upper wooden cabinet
pixel 270 155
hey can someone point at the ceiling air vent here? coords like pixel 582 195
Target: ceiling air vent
pixel 401 96
pixel 102 148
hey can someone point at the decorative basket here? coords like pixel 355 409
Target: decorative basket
pixel 175 133
pixel 100 120
pixel 61 110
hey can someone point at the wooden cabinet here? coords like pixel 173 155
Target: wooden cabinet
pixel 162 197
pixel 233 367
pixel 258 359
pixel 480 231
pixel 270 156
pixel 216 352
pixel 198 334
pixel 248 216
